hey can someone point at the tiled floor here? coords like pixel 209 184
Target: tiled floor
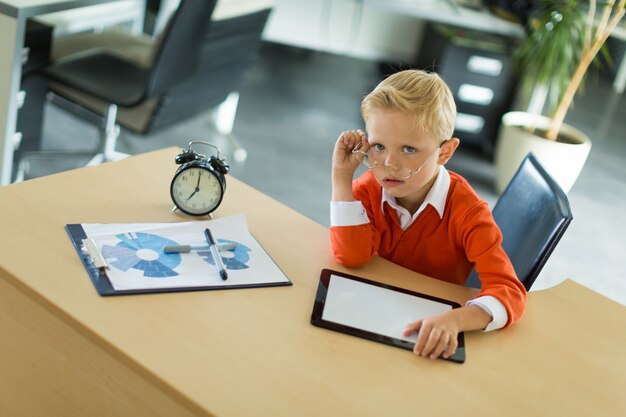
pixel 294 104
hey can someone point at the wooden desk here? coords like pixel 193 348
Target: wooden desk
pixel 65 351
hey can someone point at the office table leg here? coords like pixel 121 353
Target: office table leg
pixel 11 37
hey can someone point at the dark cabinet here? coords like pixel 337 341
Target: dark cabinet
pixel 479 70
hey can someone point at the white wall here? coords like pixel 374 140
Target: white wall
pixel 346 27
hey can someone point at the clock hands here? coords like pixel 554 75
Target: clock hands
pixel 204 195
pixel 197 186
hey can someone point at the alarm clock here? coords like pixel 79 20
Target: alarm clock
pixel 198 186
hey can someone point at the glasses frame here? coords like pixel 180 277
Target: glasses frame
pixel 390 167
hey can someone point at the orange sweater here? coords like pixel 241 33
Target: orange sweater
pixel 446 248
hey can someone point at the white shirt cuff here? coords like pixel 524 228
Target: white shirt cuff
pixel 347 213
pixel 494 308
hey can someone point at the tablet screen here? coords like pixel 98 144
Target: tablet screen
pixel 374 311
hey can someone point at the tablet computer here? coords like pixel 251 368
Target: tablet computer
pixel 375 311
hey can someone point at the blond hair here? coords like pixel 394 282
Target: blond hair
pixel 423 94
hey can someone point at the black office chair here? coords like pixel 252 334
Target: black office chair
pixel 229 48
pixel 115 80
pixel 533 213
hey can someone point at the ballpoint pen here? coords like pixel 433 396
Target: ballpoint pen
pixel 190 248
pixel 216 254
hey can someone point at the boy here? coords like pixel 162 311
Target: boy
pixel 410 210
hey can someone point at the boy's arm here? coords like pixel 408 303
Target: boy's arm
pixel 350 232
pixel 342 186
pixel 345 163
pixel 483 243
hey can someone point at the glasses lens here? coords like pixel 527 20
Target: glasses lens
pixel 363 158
pixel 367 162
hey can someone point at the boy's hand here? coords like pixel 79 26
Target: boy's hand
pixel 437 336
pixel 344 161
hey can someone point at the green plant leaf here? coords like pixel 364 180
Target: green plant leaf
pixel 552 48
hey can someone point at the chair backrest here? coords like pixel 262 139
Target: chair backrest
pixel 177 54
pixel 229 50
pixel 533 213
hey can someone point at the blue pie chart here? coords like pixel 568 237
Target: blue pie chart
pixel 237 258
pixel 144 252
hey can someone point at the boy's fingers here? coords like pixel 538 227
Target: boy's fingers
pixel 412 328
pixel 365 145
pixel 432 342
pixel 452 345
pixel 422 338
pixel 444 340
pixel 350 138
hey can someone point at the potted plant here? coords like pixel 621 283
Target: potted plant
pixel 563 39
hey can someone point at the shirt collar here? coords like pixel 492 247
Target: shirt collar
pixel 436 196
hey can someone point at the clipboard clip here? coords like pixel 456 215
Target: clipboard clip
pixel 90 249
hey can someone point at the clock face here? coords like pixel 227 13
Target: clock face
pixel 196 191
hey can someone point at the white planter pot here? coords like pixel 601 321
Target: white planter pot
pixel 563 161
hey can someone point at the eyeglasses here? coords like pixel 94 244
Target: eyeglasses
pixel 373 158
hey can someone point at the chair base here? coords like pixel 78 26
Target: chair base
pixel 105 151
pixel 223 117
pixel 25 163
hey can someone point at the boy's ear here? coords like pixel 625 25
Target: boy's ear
pixel 447 150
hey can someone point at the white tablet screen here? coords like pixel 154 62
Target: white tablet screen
pixel 376 309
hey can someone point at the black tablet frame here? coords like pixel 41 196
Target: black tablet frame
pixel 320 300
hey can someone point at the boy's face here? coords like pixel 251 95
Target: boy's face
pixel 400 150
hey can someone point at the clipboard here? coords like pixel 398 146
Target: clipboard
pixel 344 303
pixel 261 270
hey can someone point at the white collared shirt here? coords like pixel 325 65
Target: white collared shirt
pixel 352 213
pixel 436 197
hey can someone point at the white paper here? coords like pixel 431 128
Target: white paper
pixel 134 253
pixel 376 309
